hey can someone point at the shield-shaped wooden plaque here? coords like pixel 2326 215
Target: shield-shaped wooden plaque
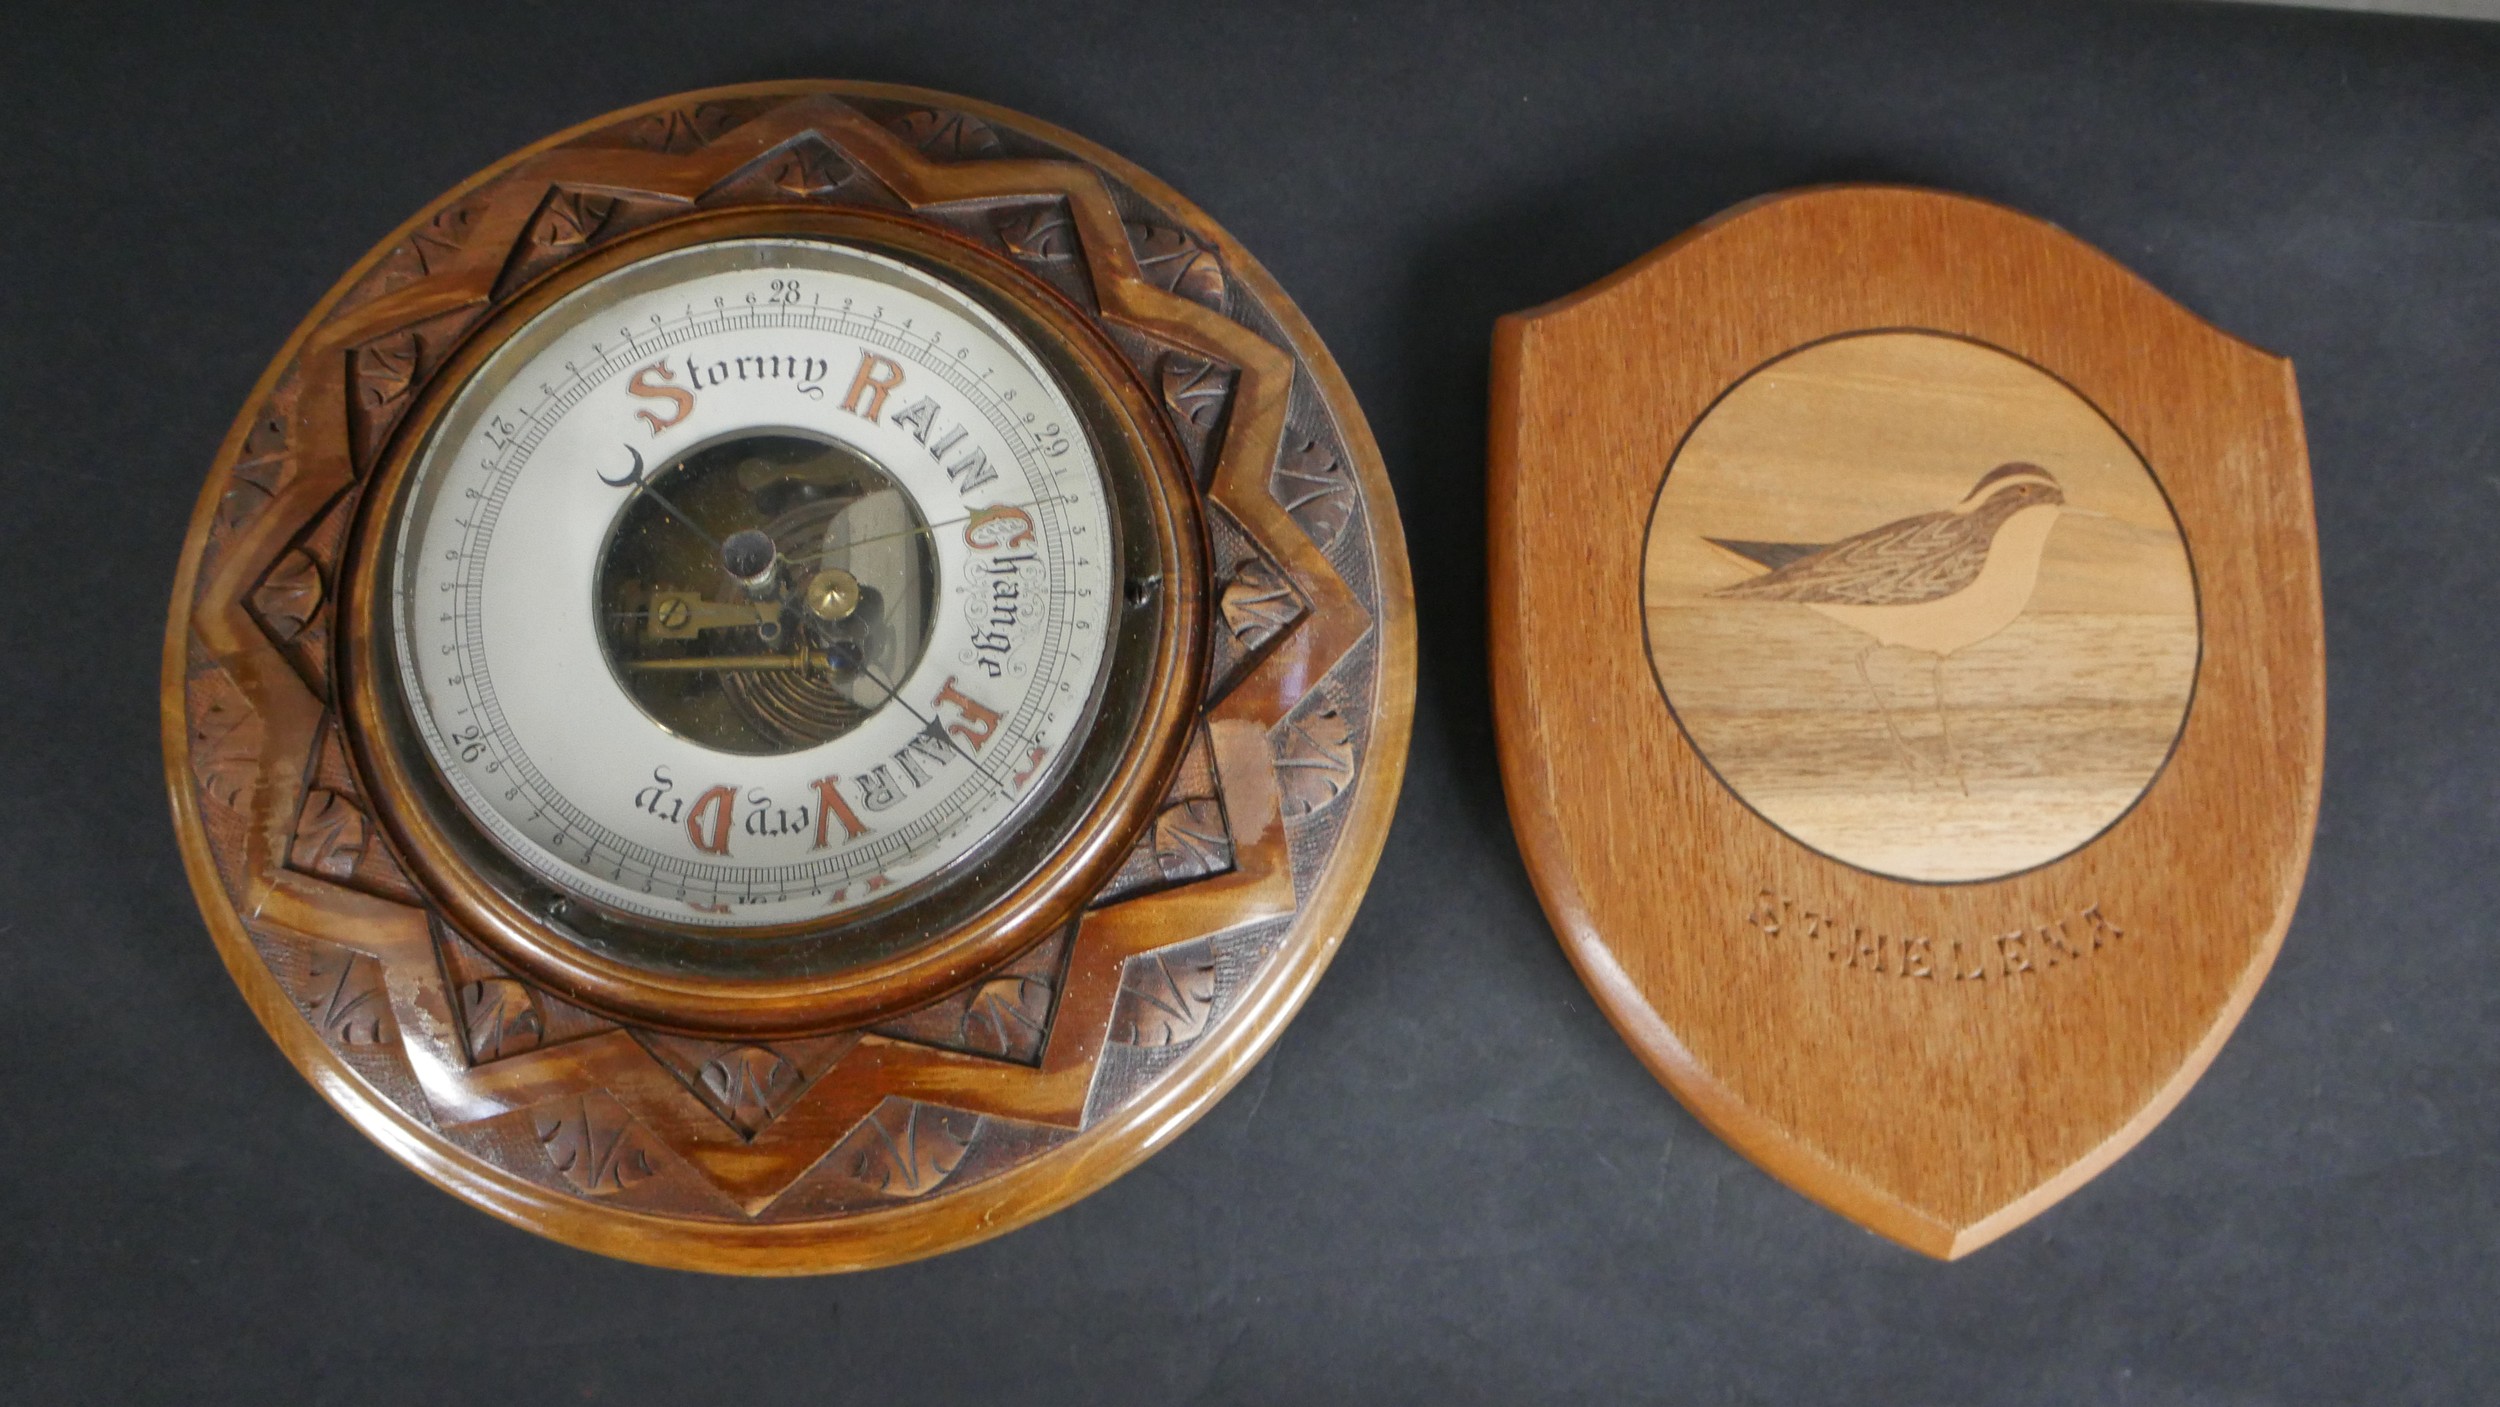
pixel 1909 667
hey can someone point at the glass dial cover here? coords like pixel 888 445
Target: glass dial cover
pixel 752 583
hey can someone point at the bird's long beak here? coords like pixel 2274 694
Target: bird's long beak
pixel 2072 511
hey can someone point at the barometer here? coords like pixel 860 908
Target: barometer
pixel 789 678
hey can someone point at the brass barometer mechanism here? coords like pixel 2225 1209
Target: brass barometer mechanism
pixel 832 595
pixel 750 581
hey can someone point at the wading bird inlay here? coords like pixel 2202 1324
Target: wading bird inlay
pixel 1936 583
pixel 1921 606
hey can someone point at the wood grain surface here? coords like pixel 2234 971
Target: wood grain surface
pixel 1938 1061
pixel 1935 689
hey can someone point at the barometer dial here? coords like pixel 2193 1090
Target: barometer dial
pixel 754 582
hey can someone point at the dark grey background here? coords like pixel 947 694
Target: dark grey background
pixel 1449 1182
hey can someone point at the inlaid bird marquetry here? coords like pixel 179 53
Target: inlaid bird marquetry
pixel 1936 582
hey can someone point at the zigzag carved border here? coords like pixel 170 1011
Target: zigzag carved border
pixel 441 277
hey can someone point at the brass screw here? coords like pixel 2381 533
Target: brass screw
pixel 833 594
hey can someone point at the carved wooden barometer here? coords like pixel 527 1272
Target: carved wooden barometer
pixel 1908 659
pixel 790 678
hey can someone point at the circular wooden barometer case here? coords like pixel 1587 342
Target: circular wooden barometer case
pixel 789 679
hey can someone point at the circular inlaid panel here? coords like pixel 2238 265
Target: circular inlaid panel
pixel 734 1138
pixel 1921 606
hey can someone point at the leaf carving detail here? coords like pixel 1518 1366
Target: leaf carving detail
pixel 242 502
pixel 1311 485
pixel 808 168
pixel 385 369
pixel 428 251
pixel 290 596
pixel 268 435
pixel 572 218
pixel 595 1144
pixel 681 130
pixel 1040 231
pixel 1190 839
pixel 1314 761
pixel 948 136
pixel 225 744
pixel 329 835
pixel 501 1018
pixel 346 1000
pixel 1195 389
pixel 1257 604
pixel 384 372
pixel 1170 259
pixel 906 1149
pixel 751 1086
pixel 442 236
pixel 1166 999
pixel 1007 1015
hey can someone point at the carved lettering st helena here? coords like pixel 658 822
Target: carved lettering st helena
pixel 2018 951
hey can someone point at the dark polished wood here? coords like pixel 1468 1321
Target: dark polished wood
pixel 1121 987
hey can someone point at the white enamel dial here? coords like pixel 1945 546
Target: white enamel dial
pixel 752 582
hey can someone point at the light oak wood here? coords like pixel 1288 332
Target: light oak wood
pixel 1712 477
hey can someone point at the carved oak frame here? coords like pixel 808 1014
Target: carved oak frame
pixel 1002 1100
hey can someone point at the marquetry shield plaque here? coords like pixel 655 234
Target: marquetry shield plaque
pixel 1909 671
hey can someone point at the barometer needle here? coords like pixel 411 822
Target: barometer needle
pixel 808 660
pixel 636 480
pixel 929 725
pixel 924 529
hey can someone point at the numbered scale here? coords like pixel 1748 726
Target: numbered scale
pixel 774 608
pixel 780 681
pixel 797 637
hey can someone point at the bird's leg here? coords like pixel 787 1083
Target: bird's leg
pixel 1952 758
pixel 1909 759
